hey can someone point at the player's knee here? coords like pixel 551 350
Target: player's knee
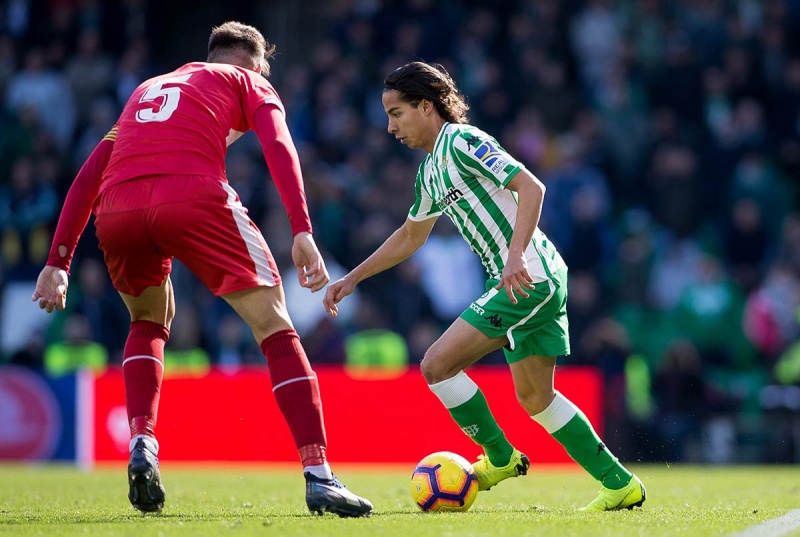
pixel 170 313
pixel 427 370
pixel 435 369
pixel 260 332
pixel 534 401
pixel 160 317
pixel 262 329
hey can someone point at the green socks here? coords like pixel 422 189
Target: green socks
pixel 569 426
pixel 562 419
pixel 468 407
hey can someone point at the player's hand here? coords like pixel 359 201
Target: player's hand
pixel 51 289
pixel 335 293
pixel 311 271
pixel 515 278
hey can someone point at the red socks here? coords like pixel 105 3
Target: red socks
pixel 296 391
pixel 294 384
pixel 142 371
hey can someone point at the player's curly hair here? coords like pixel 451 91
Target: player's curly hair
pixel 416 81
pixel 233 39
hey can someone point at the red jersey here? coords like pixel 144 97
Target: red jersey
pixel 180 122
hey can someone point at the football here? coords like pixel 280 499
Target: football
pixel 444 481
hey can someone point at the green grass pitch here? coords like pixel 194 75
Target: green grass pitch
pixel 220 501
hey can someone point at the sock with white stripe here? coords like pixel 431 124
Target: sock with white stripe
pixel 567 424
pixel 142 372
pixel 468 407
pixel 296 391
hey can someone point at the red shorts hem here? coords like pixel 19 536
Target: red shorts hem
pixel 235 288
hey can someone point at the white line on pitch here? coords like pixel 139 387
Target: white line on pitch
pixel 774 527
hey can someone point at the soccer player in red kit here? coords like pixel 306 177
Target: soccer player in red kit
pixel 157 186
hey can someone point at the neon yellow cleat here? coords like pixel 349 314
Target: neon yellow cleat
pixel 489 475
pixel 631 495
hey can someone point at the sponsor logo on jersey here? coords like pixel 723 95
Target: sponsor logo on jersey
pixel 452 196
pixel 499 165
pixel 491 157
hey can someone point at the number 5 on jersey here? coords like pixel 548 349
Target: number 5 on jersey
pixel 171 98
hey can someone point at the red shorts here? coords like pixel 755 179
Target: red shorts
pixel 143 223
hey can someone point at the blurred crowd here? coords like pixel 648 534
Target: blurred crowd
pixel 667 133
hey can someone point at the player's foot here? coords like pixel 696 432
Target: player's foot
pixel 489 475
pixel 145 490
pixel 330 495
pixel 631 495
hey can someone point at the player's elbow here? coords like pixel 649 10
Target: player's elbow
pixel 540 186
pixel 275 147
pixel 531 186
pixel 412 238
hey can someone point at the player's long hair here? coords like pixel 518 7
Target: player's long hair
pixel 233 39
pixel 430 81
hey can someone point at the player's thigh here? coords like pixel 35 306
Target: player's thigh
pixel 262 308
pixel 214 237
pixel 460 346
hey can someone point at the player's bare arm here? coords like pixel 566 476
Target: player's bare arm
pixel 397 248
pixel 515 277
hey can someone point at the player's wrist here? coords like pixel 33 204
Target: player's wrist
pixel 304 237
pixel 58 262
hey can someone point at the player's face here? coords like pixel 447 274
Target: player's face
pixel 406 122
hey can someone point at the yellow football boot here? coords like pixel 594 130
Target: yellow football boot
pixel 489 475
pixel 631 495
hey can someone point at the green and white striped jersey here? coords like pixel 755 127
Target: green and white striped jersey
pixel 465 177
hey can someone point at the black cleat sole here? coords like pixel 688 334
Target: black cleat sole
pixel 145 491
pixel 522 469
pixel 144 494
pixel 338 510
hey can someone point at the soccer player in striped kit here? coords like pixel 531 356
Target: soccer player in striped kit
pixel 495 203
pixel 158 188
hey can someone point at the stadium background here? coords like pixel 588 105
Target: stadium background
pixel 667 133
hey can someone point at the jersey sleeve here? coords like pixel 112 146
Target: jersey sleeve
pixel 283 162
pixel 482 155
pixel 78 203
pixel 256 92
pixel 424 206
